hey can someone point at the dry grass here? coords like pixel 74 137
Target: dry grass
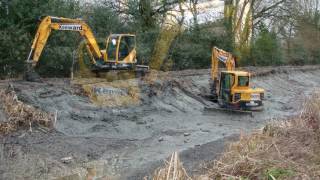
pixel 110 94
pixel 20 115
pixel 173 170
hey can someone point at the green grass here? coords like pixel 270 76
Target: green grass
pixel 278 173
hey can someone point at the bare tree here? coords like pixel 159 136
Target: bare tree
pixel 148 12
pixel 238 15
pixel 193 7
pixel 170 29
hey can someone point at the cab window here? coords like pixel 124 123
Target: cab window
pixel 127 44
pixel 243 81
pixel 112 48
pixel 227 81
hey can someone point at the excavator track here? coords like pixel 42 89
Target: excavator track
pixel 82 69
pixel 214 108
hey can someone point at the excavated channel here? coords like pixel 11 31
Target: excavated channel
pixel 129 142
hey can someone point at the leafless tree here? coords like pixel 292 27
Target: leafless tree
pixel 149 12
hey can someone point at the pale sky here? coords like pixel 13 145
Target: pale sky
pixel 208 10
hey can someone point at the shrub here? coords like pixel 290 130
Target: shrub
pixel 266 49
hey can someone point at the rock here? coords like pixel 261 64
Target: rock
pixel 22 135
pixel 186 134
pixel 160 139
pixel 141 122
pixel 66 160
pixel 204 130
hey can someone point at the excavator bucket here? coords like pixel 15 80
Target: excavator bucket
pixel 32 77
pixel 30 74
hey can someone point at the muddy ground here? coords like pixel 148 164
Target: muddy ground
pixel 2 114
pixel 130 142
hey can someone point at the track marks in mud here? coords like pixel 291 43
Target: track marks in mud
pixel 170 108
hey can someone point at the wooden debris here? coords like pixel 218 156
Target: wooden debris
pixel 172 171
pixel 20 115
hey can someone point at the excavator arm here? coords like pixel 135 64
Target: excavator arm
pixel 226 58
pixel 50 23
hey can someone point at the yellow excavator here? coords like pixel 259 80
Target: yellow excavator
pixel 231 88
pixel 120 52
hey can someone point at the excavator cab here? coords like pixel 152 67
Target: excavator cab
pixel 121 50
pixel 235 91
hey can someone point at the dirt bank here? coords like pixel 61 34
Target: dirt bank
pixel 127 142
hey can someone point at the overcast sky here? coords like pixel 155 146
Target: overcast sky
pixel 208 10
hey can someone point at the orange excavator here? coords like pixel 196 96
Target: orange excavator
pixel 119 53
pixel 231 88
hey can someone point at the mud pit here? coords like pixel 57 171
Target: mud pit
pixel 129 142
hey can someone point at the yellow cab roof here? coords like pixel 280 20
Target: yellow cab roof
pixel 238 73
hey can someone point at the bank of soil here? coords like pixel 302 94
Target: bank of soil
pixel 129 142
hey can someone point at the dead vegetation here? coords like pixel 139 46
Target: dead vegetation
pixel 110 94
pixel 20 115
pixel 173 170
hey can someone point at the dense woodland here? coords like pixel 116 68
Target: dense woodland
pixel 280 32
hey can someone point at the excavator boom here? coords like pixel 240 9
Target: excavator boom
pixel 50 23
pixel 219 55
